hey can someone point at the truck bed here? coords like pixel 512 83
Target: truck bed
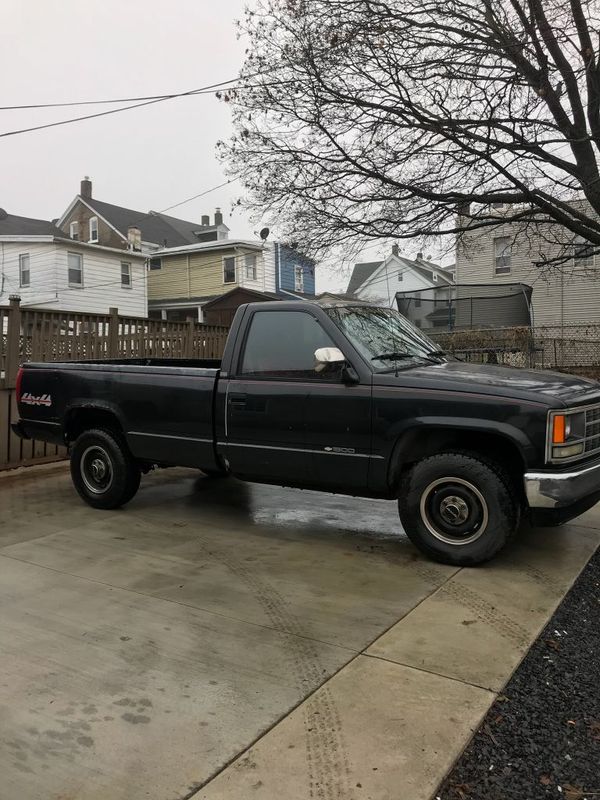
pixel 164 406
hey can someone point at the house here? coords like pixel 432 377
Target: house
pixel 221 309
pixel 294 272
pixel 189 263
pixel 94 221
pixel 182 280
pixel 379 281
pixel 506 254
pixel 50 270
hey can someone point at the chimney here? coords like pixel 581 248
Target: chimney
pixel 205 220
pixel 134 237
pixel 86 188
pixel 218 217
pixel 463 209
pixel 395 250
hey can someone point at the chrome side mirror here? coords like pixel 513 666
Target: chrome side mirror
pixel 328 355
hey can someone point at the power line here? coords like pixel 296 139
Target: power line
pixel 105 113
pixel 210 89
pixel 117 99
pixel 196 196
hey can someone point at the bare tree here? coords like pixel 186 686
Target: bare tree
pixel 363 120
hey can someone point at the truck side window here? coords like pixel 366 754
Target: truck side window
pixel 282 344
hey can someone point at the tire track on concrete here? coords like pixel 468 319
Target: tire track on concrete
pixel 488 613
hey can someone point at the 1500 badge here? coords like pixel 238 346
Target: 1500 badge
pixel 41 400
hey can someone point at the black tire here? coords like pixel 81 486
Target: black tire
pixel 103 470
pixel 458 509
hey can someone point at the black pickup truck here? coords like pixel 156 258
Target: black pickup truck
pixel 348 398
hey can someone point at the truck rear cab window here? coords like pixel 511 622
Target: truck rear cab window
pixel 282 344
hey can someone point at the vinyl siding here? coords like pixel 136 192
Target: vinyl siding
pixel 49 287
pixel 287 259
pixel 567 295
pixel 376 288
pixel 197 274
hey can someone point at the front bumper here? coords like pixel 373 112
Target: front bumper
pixel 560 489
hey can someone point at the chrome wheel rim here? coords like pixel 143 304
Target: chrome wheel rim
pixel 454 511
pixel 96 470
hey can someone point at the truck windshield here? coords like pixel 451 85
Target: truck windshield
pixel 384 337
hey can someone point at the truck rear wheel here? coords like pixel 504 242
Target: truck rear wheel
pixel 458 509
pixel 103 470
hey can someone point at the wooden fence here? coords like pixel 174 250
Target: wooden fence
pixel 28 334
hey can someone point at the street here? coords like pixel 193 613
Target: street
pixel 215 639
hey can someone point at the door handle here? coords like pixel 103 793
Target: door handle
pixel 237 400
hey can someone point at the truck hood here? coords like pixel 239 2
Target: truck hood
pixel 550 388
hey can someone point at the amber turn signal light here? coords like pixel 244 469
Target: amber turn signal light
pixel 558 429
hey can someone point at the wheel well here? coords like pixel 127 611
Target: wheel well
pixel 83 419
pixel 419 444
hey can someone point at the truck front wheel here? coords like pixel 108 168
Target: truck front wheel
pixel 103 470
pixel 457 508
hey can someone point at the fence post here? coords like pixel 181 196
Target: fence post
pixel 13 341
pixel 113 333
pixel 189 339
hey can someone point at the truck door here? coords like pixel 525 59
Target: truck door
pixel 267 397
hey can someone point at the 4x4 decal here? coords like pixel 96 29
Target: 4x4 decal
pixel 41 400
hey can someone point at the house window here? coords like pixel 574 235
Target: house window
pixel 75 263
pixel 298 279
pixel 229 269
pixel 400 275
pixel 155 263
pixel 583 252
pixel 417 301
pixel 502 253
pixel 125 274
pixel 250 262
pixel 434 276
pixel 24 272
pixel 74 230
pixel 93 229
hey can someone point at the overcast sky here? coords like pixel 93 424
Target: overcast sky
pixel 147 158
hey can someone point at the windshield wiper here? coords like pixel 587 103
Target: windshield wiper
pixel 392 356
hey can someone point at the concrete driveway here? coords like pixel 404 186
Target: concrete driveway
pixel 222 640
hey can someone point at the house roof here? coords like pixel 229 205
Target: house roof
pixel 156 228
pixel 361 273
pixel 217 244
pixel 12 225
pixel 258 295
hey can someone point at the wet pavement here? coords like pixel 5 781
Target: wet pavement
pixel 223 640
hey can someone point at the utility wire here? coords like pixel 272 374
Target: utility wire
pixel 210 89
pixel 117 100
pixel 196 196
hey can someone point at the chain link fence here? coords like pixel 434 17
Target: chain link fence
pixel 568 348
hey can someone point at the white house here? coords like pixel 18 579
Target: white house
pixel 378 281
pixel 50 270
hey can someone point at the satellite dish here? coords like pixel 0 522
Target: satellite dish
pixel 264 234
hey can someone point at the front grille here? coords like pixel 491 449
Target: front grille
pixel 592 430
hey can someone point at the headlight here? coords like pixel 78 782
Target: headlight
pixel 566 435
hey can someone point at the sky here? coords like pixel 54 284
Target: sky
pixel 148 158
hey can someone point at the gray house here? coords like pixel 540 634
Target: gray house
pixel 506 254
